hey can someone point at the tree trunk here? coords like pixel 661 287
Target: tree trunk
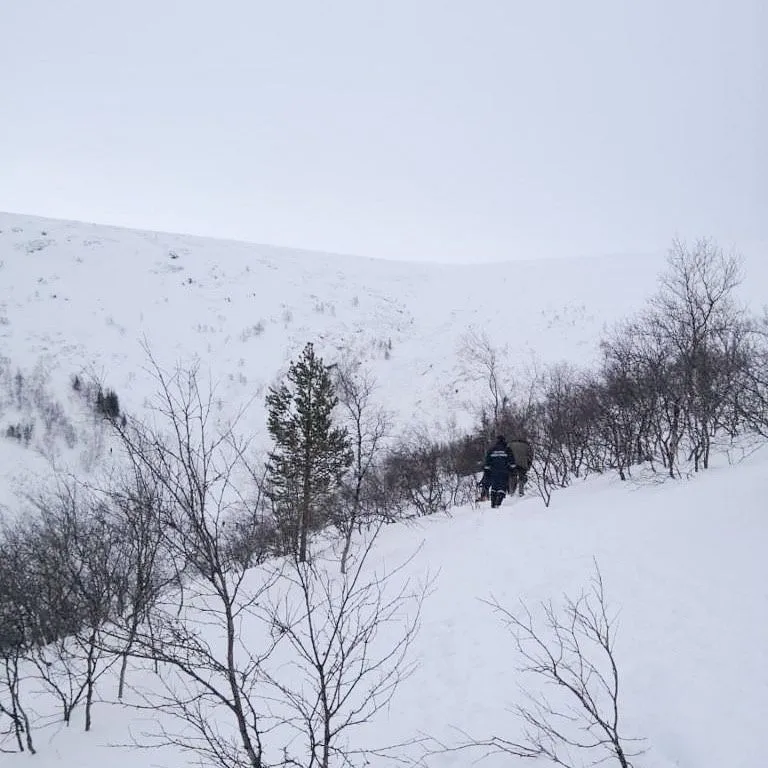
pixel 17 714
pixel 91 682
pixel 253 752
pixel 126 654
pixel 348 539
pixel 306 517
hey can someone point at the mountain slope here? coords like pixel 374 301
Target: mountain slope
pixel 84 296
pixel 682 561
pixel 683 566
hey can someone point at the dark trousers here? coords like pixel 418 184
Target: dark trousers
pixel 495 487
pixel 518 479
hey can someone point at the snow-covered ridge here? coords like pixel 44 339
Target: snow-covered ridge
pixel 82 297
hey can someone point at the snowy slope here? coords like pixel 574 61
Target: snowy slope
pixel 78 297
pixel 684 562
pixel 82 299
pixel 84 296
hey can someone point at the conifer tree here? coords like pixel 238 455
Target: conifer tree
pixel 310 453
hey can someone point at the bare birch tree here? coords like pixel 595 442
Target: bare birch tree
pixel 15 643
pixel 572 710
pixel 74 579
pixel 348 637
pixel 571 650
pixel 138 513
pixel 209 677
pixel 482 361
pixel 368 425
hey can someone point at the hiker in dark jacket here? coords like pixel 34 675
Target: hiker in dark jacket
pixel 498 464
pixel 522 451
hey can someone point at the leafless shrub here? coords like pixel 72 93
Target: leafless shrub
pixel 482 361
pixel 349 638
pixel 70 587
pixel 573 649
pixel 368 425
pixel 414 479
pixel 137 509
pixel 208 689
pixel 41 421
pixel 196 464
pixel 253 331
pixel 15 723
pixel 572 713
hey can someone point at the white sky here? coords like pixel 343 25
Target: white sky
pixel 446 130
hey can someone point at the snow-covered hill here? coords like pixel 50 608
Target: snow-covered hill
pixel 684 562
pixel 683 566
pixel 82 297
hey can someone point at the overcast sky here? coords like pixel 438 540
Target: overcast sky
pixel 442 130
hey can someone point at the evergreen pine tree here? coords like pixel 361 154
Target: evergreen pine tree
pixel 310 453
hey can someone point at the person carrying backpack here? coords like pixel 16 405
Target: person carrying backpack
pixel 522 451
pixel 499 462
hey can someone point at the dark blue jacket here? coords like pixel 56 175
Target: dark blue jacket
pixel 498 462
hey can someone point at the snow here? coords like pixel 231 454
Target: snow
pixel 683 562
pixel 83 297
